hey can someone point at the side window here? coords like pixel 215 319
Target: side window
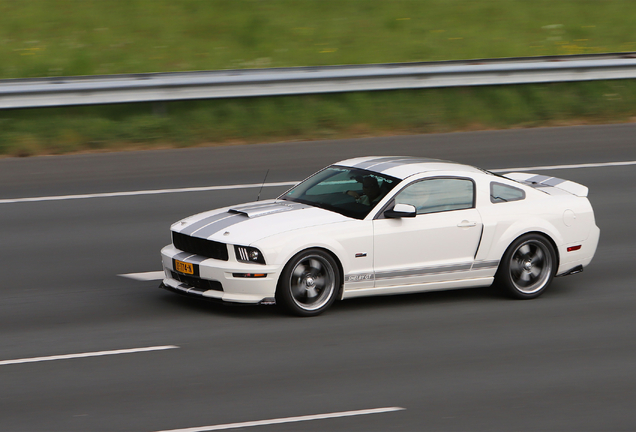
pixel 503 193
pixel 437 195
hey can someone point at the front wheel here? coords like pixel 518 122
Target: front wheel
pixel 309 283
pixel 527 267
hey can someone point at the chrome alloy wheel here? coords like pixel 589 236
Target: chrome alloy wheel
pixel 312 282
pixel 531 266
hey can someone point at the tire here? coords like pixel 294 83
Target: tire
pixel 309 283
pixel 528 267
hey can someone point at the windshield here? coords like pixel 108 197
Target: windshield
pixel 351 192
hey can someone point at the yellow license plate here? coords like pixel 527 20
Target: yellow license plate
pixel 184 267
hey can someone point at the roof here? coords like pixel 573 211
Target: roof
pixel 405 166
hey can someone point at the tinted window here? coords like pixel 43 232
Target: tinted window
pixel 349 191
pixel 437 195
pixel 503 193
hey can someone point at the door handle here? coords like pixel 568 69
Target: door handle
pixel 466 224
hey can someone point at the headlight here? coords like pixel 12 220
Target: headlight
pixel 249 255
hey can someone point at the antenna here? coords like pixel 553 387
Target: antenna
pixel 259 192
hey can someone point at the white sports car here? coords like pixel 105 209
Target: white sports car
pixel 385 225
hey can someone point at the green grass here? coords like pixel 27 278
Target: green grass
pixel 84 37
pixel 235 121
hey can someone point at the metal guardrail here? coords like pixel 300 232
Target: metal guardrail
pixel 155 87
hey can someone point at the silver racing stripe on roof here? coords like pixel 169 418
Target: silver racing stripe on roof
pixel 369 163
pixel 384 166
pixel 384 163
pixel 216 226
pixel 203 222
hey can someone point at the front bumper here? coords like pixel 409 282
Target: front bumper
pixel 225 285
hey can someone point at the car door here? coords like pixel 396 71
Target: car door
pixel 438 244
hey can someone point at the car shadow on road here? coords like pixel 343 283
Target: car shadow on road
pixel 485 295
pixel 204 306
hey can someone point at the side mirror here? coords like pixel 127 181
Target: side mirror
pixel 400 211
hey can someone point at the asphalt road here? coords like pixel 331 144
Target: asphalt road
pixel 457 360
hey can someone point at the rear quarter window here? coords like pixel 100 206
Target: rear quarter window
pixel 500 192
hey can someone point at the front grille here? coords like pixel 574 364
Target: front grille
pixel 199 246
pixel 197 283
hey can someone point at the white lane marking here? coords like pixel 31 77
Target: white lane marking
pixel 254 185
pixel 146 276
pixel 286 420
pixel 87 354
pixel 554 167
pixel 144 192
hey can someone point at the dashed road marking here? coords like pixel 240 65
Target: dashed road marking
pixel 286 420
pixel 87 354
pixel 144 192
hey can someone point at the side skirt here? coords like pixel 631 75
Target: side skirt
pixel 431 286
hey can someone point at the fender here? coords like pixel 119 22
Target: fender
pixel 498 236
pixel 355 236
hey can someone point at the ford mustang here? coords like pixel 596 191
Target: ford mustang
pixel 385 225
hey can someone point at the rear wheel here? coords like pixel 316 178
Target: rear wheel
pixel 527 267
pixel 309 283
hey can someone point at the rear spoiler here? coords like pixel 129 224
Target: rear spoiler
pixel 539 181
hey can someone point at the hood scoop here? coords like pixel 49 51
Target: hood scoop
pixel 257 210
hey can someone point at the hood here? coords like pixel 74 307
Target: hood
pixel 247 223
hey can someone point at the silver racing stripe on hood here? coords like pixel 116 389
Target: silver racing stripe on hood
pixel 215 223
pixel 203 222
pixel 254 205
pixel 214 227
pixel 265 209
